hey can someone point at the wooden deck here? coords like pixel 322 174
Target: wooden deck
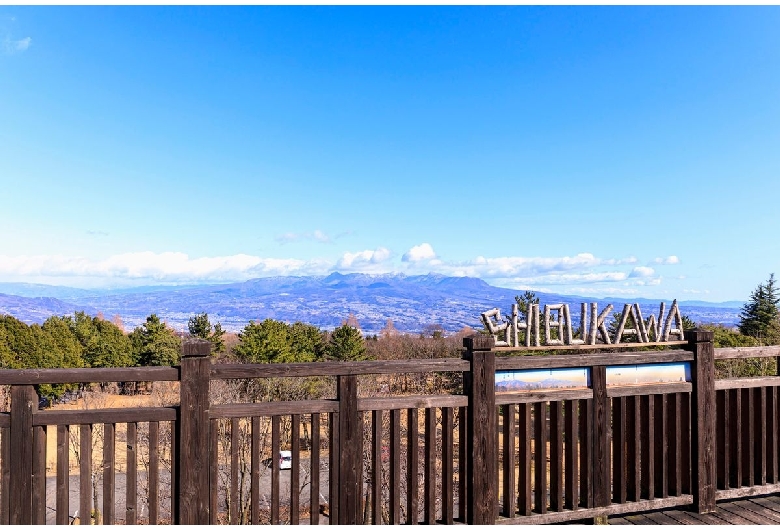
pixel 755 510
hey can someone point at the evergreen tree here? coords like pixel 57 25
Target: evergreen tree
pixel 264 342
pixel 759 316
pixel 200 326
pixel 103 343
pixel 346 344
pixel 155 344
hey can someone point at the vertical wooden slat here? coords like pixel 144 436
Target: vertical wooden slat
pixel 674 444
pixel 735 429
pixel 771 434
pixel 618 450
pixel 412 467
pixel 600 459
pixel 376 467
pixel 174 449
pixel 24 401
pixel 748 437
pixel 85 474
pixel 586 452
pixel 314 491
pixel 275 455
pixel 760 435
pixel 447 466
pixel 109 473
pixel 214 471
pixel 633 441
pixel 131 476
pixel 350 455
pixel 235 449
pixel 571 462
pixel 429 511
pixel 154 472
pixel 395 467
pixel 63 476
pixel 510 500
pixel 556 456
pixel 540 457
pixel 334 449
pixel 685 440
pixel 255 471
pixel 723 436
pixel 661 447
pixel 39 475
pixel 295 471
pixel 5 478
pixel 647 419
pixel 524 478
pixel 463 463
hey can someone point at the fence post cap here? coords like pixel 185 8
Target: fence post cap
pixel 195 347
pixel 479 342
pixel 698 335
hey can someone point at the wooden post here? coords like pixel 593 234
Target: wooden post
pixel 350 457
pixel 482 435
pixel 24 401
pixel 703 451
pixel 193 439
pixel 600 475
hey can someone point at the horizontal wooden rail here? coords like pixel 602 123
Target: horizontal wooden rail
pixel 581 347
pixel 276 408
pixel 647 389
pixel 39 376
pixel 746 382
pixel 612 509
pixel 747 491
pixel 592 359
pixel 79 417
pixel 333 368
pixel 412 402
pixel 537 396
pixel 747 353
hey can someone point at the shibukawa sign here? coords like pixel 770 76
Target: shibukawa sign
pixel 553 326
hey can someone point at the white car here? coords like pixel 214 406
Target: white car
pixel 285 460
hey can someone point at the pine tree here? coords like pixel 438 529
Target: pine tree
pixel 759 316
pixel 346 344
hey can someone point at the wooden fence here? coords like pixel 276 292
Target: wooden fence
pixel 479 456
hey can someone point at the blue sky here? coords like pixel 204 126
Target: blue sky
pixel 629 151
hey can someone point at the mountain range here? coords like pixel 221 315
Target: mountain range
pixel 411 302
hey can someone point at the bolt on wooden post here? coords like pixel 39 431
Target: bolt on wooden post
pixel 482 435
pixel 194 430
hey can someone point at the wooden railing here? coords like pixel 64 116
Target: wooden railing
pixel 475 456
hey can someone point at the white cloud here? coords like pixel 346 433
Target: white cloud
pixel 642 272
pixel 423 252
pixel 317 235
pixel 11 46
pixel 366 259
pixel 669 260
pixel 558 279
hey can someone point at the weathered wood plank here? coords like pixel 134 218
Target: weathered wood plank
pixel 5 478
pixel 483 439
pixel 640 390
pixel 39 476
pixel 335 479
pixel 235 449
pixel 395 467
pixel 619 471
pixel 586 452
pixel 314 487
pixel 633 454
pixel 556 456
pixel 535 396
pixel 771 435
pixel 336 368
pixel 245 410
pixel 589 359
pixel 600 467
pixel 109 472
pixel 463 461
pixel 571 460
pixel 746 353
pixel 540 457
pixel 674 444
pixel 618 348
pixel 154 472
pixel 412 402
pixel 39 376
pixel 735 458
pixel 685 439
pixel 722 436
pixel 350 451
pixel 760 423
pixel 746 382
pixel 96 416
pixel 376 467
pixel 412 468
pixel 85 474
pixel 447 515
pixel 429 511
pixel 295 469
pixel 647 419
pixel 747 491
pixel 510 499
pixel 524 478
pixel 661 447
pixel 24 401
pixel 131 475
pixel 63 475
pixel 213 481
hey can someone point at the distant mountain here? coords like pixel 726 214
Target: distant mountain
pixel 412 302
